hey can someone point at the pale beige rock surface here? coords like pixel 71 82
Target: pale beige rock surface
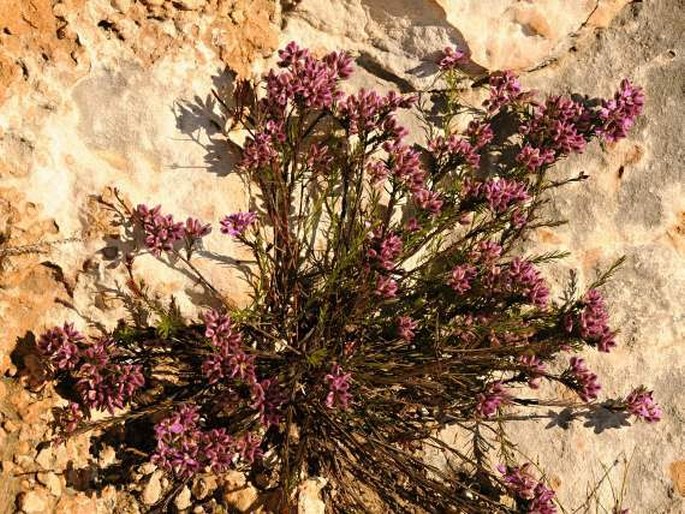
pixel 98 94
pixel 502 34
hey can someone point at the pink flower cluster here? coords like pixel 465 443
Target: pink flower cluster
pixel 641 404
pixel 261 152
pixel 306 81
pixel 386 287
pixel 406 328
pixel 367 111
pixel 103 380
pixel 518 278
pixel 582 380
pixel 534 496
pixel 489 401
pixel 103 384
pixel 236 224
pixel 461 278
pixel 60 345
pixel 451 58
pixel 184 448
pixel 593 322
pixel 480 133
pixel 404 165
pixel 228 361
pixel 195 230
pixel 385 250
pixel 456 150
pixel 522 277
pixel 68 418
pixel 338 388
pixel 617 116
pixel 535 158
pixel 534 368
pixel 558 127
pixel 500 193
pixel 162 232
pixel 486 252
pixel 505 89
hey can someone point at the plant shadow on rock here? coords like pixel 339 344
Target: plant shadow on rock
pixel 204 122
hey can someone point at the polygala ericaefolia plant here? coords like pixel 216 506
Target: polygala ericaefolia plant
pixel 390 296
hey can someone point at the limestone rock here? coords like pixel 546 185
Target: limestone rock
pixel 238 493
pixel 183 499
pixel 309 500
pixel 190 5
pixel 34 501
pixel 204 487
pixel 152 492
pixel 52 482
pixel 46 458
pixel 505 34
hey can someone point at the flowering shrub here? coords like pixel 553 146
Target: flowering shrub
pixel 391 296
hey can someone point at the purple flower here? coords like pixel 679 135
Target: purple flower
pixel 291 54
pixel 108 387
pixel 367 111
pixel 195 229
pixel 534 368
pixel 430 201
pixel 534 158
pixel 385 250
pixel 413 225
pixel 185 449
pixel 503 193
pixel 480 133
pixel 386 287
pixel 406 328
pixel 338 388
pixel 487 252
pixel 261 152
pixel 558 127
pixel 405 166
pixel 178 439
pixel 489 401
pixel 219 330
pixel 68 418
pixel 61 346
pixel 457 150
pixel 451 58
pixel 249 447
pixel 306 82
pixel 505 89
pixel 218 449
pixel 268 399
pixel 236 224
pixel 582 380
pixel 593 322
pixel 319 158
pixel 617 116
pixel 378 172
pixel 461 278
pixel 531 495
pixel 229 362
pixel 640 403
pixel 161 231
pixel 500 193
pixel 523 278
